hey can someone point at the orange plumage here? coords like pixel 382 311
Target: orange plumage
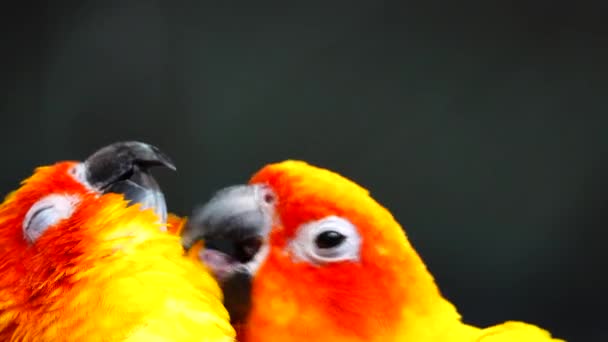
pixel 334 265
pixel 346 300
pixel 105 272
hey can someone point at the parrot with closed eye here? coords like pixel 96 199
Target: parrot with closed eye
pixel 85 256
pixel 305 254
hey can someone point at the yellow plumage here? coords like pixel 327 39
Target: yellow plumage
pixel 108 273
pixel 304 291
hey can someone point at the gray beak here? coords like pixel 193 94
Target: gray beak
pixel 236 214
pixel 124 168
pixel 234 226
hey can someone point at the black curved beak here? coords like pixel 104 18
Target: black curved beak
pixel 234 226
pixel 124 168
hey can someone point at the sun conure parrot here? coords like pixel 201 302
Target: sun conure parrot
pixel 83 257
pixel 322 261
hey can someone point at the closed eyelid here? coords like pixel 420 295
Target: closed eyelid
pixel 35 214
pixel 47 212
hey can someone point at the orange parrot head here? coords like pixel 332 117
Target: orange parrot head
pixel 306 254
pixel 65 223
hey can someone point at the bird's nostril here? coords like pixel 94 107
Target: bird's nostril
pixel 267 195
pixel 269 198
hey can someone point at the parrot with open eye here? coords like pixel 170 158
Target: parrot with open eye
pixel 85 256
pixel 311 256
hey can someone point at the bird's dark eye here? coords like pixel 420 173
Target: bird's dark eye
pixel 329 239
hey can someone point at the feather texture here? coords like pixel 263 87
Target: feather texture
pixel 388 295
pixel 107 273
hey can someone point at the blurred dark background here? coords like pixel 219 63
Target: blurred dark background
pixel 481 126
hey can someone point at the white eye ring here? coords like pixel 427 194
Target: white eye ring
pixel 330 239
pixel 47 212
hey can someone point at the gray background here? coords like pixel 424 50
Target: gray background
pixel 481 126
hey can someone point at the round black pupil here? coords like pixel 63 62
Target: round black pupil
pixel 329 239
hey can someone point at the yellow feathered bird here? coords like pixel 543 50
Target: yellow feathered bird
pixel 83 257
pixel 326 263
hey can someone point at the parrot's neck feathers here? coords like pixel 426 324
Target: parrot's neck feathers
pixel 129 279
